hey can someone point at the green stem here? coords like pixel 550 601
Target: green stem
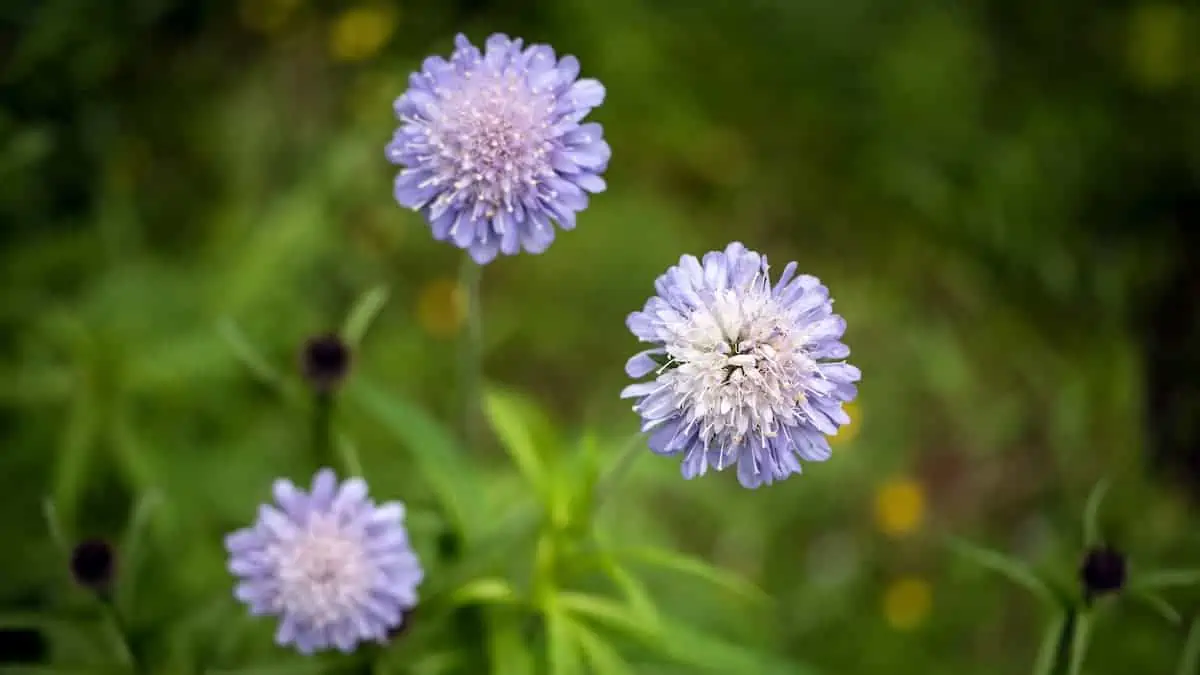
pixel 322 429
pixel 119 635
pixel 471 358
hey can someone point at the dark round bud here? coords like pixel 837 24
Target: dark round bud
pixel 325 361
pixel 1103 571
pixel 94 564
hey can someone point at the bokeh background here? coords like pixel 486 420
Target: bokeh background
pixel 1000 195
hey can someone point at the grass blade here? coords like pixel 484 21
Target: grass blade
pixel 1052 640
pixel 692 567
pixel 1080 641
pixel 1189 660
pixel 1016 571
pixel 1164 579
pixel 510 419
pixel 1091 513
pixel 363 314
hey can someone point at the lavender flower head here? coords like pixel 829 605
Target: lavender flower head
pixel 493 149
pixel 333 566
pixel 745 373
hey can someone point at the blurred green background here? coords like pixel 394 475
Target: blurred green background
pixel 1000 195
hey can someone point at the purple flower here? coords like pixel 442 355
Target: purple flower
pixel 745 372
pixel 492 148
pixel 333 566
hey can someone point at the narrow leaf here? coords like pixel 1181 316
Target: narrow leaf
pixel 511 422
pixel 489 591
pixel 1016 571
pixel 608 612
pixel 1052 639
pixel 1091 513
pixel 438 457
pixel 1157 604
pixel 1164 579
pixel 363 314
pixel 631 588
pixel 562 652
pixel 681 564
pixel 508 649
pixel 255 362
pixel 76 454
pixel 600 655
pixel 54 527
pixel 707 653
pixel 1189 660
pixel 1080 642
pixel 132 546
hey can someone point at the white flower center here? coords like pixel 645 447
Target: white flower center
pixel 324 575
pixel 740 366
pixel 491 141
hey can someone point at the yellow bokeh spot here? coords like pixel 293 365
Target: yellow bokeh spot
pixel 907 603
pixel 849 431
pixel 266 16
pixel 358 34
pixel 899 507
pixel 441 308
pixel 1156 48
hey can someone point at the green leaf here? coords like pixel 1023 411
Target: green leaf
pixel 606 611
pixel 1080 642
pixel 1189 659
pixel 1156 604
pixel 681 564
pixel 132 544
pixel 363 314
pixel 508 648
pixel 1163 579
pixel 489 591
pixel 1016 571
pixel 76 454
pixel 1091 513
pixel 54 527
pixel 631 588
pixel 600 655
pixel 707 653
pixel 562 652
pixel 1047 657
pixel 437 455
pixel 255 362
pixel 514 422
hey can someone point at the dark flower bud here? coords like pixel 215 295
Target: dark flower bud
pixel 325 361
pixel 1103 571
pixel 94 564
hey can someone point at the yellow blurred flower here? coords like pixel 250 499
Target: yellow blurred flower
pixel 358 34
pixel 266 16
pixel 848 432
pixel 899 507
pixel 1156 48
pixel 907 602
pixel 441 308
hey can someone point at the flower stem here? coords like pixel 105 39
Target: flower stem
pixel 471 357
pixel 118 634
pixel 322 428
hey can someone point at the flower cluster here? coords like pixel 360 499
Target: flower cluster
pixel 334 566
pixel 746 373
pixel 493 146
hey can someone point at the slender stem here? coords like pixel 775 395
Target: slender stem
pixel 471 358
pixel 322 429
pixel 118 634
